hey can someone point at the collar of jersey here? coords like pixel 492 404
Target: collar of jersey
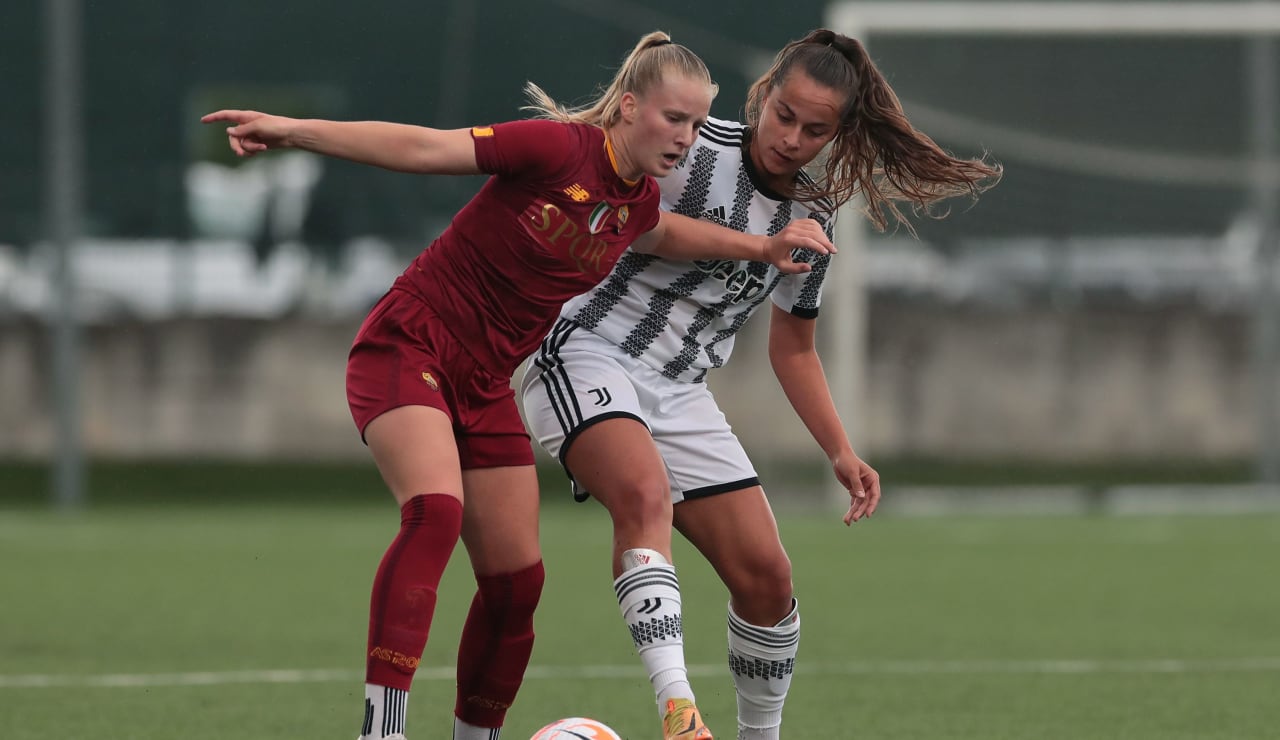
pixel 613 160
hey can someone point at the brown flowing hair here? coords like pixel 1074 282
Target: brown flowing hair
pixel 640 72
pixel 876 150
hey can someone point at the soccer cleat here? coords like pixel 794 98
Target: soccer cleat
pixel 683 722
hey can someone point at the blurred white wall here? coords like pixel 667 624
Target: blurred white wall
pixel 956 379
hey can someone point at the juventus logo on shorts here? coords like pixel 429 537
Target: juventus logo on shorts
pixel 603 398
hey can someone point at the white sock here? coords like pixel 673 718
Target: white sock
pixel 649 596
pixel 464 731
pixel 384 711
pixel 761 660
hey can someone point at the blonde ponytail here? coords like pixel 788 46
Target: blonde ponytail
pixel 643 69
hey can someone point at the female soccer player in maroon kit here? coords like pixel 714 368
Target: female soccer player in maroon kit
pixel 428 376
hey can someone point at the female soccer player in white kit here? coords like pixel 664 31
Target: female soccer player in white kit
pixel 617 391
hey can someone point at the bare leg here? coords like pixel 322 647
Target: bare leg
pixel 738 535
pixel 617 462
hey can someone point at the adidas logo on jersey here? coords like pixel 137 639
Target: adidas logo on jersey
pixel 715 215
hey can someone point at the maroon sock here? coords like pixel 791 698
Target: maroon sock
pixel 496 643
pixel 404 589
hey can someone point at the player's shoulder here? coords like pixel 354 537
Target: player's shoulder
pixel 722 134
pixel 583 131
pixel 544 129
pixel 822 210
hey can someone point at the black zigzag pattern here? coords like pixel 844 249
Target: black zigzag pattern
pixel 690 345
pixel 743 193
pixel 693 200
pixel 669 627
pixel 813 283
pixel 748 667
pixel 707 314
pixel 655 319
pixel 808 298
pixel 756 269
pixel 613 289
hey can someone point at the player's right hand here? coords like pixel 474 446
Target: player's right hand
pixel 253 132
pixel 802 234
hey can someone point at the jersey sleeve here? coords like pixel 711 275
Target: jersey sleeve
pixel 801 294
pixel 650 206
pixel 533 149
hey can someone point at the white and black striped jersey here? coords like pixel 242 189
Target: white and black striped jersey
pixel 681 317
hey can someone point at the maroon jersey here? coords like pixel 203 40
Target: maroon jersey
pixel 548 225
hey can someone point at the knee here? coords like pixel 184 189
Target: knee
pixel 763 588
pixel 528 587
pixel 775 580
pixel 643 502
pixel 513 593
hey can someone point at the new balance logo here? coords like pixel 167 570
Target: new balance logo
pixel 715 215
pixel 577 192
pixel 603 398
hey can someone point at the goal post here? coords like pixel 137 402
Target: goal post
pixel 1258 22
pixel 1195 19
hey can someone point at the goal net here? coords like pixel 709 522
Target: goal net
pixel 1139 142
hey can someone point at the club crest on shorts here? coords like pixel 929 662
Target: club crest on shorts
pixel 431 381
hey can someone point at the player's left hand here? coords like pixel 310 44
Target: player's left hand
pixel 862 482
pixel 806 234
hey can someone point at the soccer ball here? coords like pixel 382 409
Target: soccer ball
pixel 576 728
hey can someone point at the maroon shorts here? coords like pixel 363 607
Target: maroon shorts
pixel 404 356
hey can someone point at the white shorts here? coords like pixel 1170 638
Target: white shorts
pixel 577 379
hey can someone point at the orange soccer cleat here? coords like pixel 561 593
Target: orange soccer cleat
pixel 683 722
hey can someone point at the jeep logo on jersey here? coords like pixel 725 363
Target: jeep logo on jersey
pixel 551 226
pixel 740 284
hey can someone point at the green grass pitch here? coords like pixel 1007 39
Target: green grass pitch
pixel 168 620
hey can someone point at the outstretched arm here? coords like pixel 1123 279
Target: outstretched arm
pixel 393 146
pixel 682 238
pixel 794 356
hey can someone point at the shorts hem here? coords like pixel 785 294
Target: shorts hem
pixel 580 494
pixel 587 424
pixel 719 488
